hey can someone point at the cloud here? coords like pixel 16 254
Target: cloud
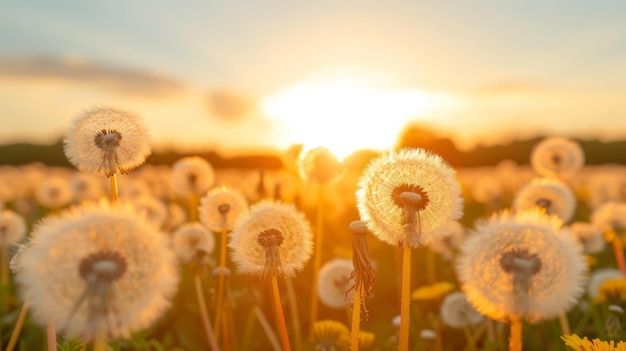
pixel 230 105
pixel 122 80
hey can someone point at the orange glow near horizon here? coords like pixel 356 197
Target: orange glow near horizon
pixel 346 115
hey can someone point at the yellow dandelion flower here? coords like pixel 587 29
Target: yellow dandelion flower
pixel 557 157
pixel 105 140
pixel 432 292
pixel 220 207
pixel 366 340
pixel 330 334
pixel 272 238
pixel 97 269
pixel 409 197
pixel 575 342
pixel 551 195
pixel 612 290
pixel 598 277
pixel 522 264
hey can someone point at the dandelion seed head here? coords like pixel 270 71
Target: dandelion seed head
pixel 522 264
pixel 54 192
pixel 154 209
pixel 106 140
pixel 333 281
pixel 192 175
pixel 12 228
pixel 610 216
pixel 97 268
pixel 550 194
pixel 557 157
pixel 384 190
pixel 589 236
pixel 275 226
pixel 220 207
pixel 191 238
pixel 456 312
pixel 319 165
pixel 598 277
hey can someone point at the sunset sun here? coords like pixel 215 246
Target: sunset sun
pixel 345 115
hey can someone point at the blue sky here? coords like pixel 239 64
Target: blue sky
pixel 197 71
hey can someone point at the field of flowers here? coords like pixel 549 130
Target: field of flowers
pixel 383 251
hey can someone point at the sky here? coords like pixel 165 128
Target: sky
pixel 234 75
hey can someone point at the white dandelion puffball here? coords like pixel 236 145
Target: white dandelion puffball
pixel 522 265
pixel 106 140
pixel 318 165
pixel 97 268
pixel 273 238
pixel 192 175
pixel 12 228
pixel 456 312
pixel 416 173
pixel 191 238
pixel 334 281
pixel 152 208
pixel 54 192
pixel 557 157
pixel 220 207
pixel 610 216
pixel 86 187
pixel 551 195
pixel 600 276
pixel 589 236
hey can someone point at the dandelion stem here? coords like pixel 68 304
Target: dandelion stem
pixel 469 336
pixel 356 320
pixel 99 342
pixel 280 318
pixel 618 250
pixel 18 327
pixel 515 339
pixel 203 313
pixel 4 266
pixel 431 266
pixel 51 336
pixel 317 259
pixel 193 207
pixel 293 308
pixel 564 323
pixel 114 190
pixel 220 284
pixel 405 299
pixel 271 336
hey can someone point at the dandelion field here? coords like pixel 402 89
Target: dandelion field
pixel 207 293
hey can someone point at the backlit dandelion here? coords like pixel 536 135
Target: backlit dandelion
pixel 611 219
pixel 330 335
pixel 457 312
pixel 557 157
pixel 218 210
pixel 551 195
pixel 408 198
pixel 106 140
pixel 54 193
pixel 530 269
pixel 273 239
pixel 12 231
pixel 154 209
pixel 192 239
pixel 589 236
pixel 334 280
pixel 575 342
pixel 97 271
pixel 191 177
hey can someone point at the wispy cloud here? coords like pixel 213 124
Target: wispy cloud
pixel 122 80
pixel 230 105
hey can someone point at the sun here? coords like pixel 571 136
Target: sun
pixel 345 115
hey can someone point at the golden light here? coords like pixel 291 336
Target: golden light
pixel 346 115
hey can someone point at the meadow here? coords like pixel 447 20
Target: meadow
pixel 222 290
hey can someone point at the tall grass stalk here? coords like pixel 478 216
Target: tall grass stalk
pixel 293 309
pixel 18 327
pixel 203 313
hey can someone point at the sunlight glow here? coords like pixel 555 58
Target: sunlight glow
pixel 347 115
